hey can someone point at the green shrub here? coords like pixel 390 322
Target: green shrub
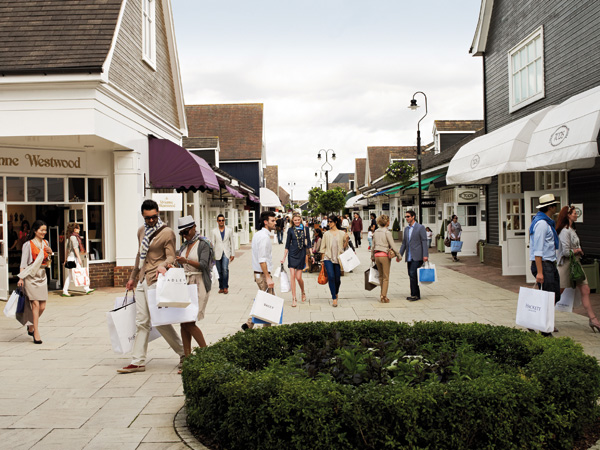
pixel 336 386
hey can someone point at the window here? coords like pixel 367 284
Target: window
pixel 526 71
pixel 95 190
pixel 510 183
pixel 15 189
pixel 149 32
pixel 76 190
pixel 56 189
pixel 35 189
pixel 467 215
pixel 550 180
pixel 1 189
pixel 351 185
pixel 429 215
pixel 95 232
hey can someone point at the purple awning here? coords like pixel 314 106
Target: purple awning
pixel 234 192
pixel 172 166
pixel 253 198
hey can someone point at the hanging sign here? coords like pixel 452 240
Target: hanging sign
pixel 467 195
pixel 579 210
pixel 168 202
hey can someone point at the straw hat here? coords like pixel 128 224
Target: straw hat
pixel 185 222
pixel 546 200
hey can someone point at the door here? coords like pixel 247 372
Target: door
pixel 531 201
pixel 76 214
pixel 53 238
pixel 3 253
pixel 512 213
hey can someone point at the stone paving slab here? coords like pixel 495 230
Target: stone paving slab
pixel 66 393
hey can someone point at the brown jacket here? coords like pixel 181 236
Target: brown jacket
pixel 162 248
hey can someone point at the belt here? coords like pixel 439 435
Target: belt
pixel 262 272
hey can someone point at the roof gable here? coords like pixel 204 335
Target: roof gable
pixel 483 27
pixel 238 126
pixel 378 158
pixel 359 174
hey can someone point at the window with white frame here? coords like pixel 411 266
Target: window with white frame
pixel 526 71
pixel 149 32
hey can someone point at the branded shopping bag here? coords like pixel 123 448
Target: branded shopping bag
pixel 172 289
pixel 322 278
pixel 567 300
pixel 262 322
pixel 284 281
pixel 348 260
pixel 267 307
pixel 81 276
pixel 535 309
pixel 123 301
pixel 169 316
pixel 374 276
pixel 456 246
pixel 368 285
pixel 10 310
pixel 427 273
pixel 122 328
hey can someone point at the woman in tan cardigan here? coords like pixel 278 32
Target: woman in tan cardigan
pixel 383 242
pixel 333 244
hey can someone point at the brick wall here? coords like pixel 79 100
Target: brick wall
pixel 492 255
pixel 101 275
pixel 121 275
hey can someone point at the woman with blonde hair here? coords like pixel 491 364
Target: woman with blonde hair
pixel 297 244
pixel 73 249
pixel 383 244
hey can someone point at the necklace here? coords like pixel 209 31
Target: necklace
pixel 299 237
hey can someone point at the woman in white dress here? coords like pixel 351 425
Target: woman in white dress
pixel 73 249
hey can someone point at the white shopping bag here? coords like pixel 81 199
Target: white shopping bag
pixel 284 281
pixel 535 309
pixel 348 260
pixel 374 276
pixel 169 316
pixel 277 272
pixel 567 300
pixel 81 276
pixel 122 328
pixel 427 273
pixel 267 307
pixel 214 274
pixel 124 301
pixel 172 289
pixel 10 310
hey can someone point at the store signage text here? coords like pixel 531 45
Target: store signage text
pixel 559 135
pixel 12 160
pixel 168 202
pixel 467 195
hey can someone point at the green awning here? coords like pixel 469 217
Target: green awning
pixel 425 182
pixel 394 190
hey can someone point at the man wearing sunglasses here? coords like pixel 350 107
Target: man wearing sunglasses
pixel 222 237
pixel 156 245
pixel 414 243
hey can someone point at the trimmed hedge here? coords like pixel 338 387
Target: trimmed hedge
pixel 539 395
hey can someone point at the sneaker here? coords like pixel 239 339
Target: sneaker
pixel 65 295
pixel 89 292
pixel 132 368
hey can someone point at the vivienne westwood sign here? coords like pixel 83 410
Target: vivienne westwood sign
pixel 168 202
pixel 42 161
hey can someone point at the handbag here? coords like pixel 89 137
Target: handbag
pixel 535 309
pixel 427 274
pixel 172 290
pixel 456 246
pixel 267 307
pixel 322 279
pixel 169 316
pixel 368 285
pixel 348 260
pixel 576 273
pixel 70 265
pixel 447 242
pixel 81 277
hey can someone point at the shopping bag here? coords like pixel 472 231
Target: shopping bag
pixel 368 285
pixel 169 316
pixel 172 289
pixel 374 276
pixel 348 260
pixel 535 309
pixel 214 274
pixel 322 279
pixel 10 310
pixel 262 322
pixel 81 276
pixel 122 328
pixel 277 272
pixel 123 301
pixel 21 303
pixel 427 273
pixel 456 246
pixel 284 281
pixel 567 300
pixel 267 307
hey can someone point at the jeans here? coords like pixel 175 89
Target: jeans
pixel 551 278
pixel 280 236
pixel 357 236
pixel 412 274
pixel 334 274
pixel 223 269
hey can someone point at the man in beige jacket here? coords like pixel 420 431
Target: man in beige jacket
pixel 156 245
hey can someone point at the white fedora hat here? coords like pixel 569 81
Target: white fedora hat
pixel 546 200
pixel 185 222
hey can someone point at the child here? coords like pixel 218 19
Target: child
pixel 370 235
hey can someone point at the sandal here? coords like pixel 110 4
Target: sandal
pixel 303 297
pixel 294 303
pixel 335 302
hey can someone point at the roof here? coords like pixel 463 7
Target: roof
pixel 239 128
pixel 483 28
pixel 343 178
pixel 457 125
pixel 379 158
pixel 60 36
pixel 430 160
pixel 360 164
pixel 200 142
pixel 283 196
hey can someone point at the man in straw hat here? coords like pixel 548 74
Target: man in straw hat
pixel 156 245
pixel 543 244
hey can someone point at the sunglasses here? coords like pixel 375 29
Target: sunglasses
pixel 221 220
pixel 330 221
pixel 407 217
pixel 150 218
pixel 184 232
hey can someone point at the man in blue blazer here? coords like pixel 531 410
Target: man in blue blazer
pixel 414 243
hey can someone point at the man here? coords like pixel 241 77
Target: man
pixel 262 258
pixel 357 228
pixel 414 243
pixel 279 225
pixel 346 222
pixel 156 245
pixel 543 244
pixel 324 223
pixel 222 237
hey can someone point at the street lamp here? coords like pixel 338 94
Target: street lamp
pixel 326 163
pixel 291 185
pixel 414 106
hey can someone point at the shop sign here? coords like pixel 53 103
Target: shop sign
pixel 385 206
pixel 428 203
pixel 407 202
pixel 218 203
pixel 467 195
pixel 579 210
pixel 168 202
pixel 42 161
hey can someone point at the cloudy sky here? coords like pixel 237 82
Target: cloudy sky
pixel 336 74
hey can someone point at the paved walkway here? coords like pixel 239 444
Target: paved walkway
pixel 66 394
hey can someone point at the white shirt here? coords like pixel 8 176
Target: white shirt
pixel 261 250
pixel 345 223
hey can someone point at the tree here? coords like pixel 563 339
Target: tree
pixel 332 201
pixel 313 200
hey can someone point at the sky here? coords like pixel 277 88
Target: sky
pixel 332 74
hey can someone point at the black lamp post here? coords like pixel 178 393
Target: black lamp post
pixel 291 185
pixel 326 163
pixel 414 106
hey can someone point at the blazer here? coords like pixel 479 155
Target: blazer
pixel 161 249
pixel 419 247
pixel 327 240
pixel 223 246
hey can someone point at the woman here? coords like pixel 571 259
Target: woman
pixel 296 245
pixel 383 242
pixel 454 233
pixel 73 249
pixel 429 236
pixel 196 256
pixel 23 233
pixel 334 242
pixel 565 227
pixel 35 258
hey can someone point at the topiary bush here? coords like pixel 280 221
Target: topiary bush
pixel 377 384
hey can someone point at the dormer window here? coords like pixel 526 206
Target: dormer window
pixel 149 32
pixel 526 71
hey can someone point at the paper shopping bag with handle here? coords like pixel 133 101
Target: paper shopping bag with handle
pixel 535 309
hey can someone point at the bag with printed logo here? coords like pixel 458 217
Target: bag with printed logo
pixel 172 289
pixel 535 309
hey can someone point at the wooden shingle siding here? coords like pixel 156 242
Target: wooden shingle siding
pixel 571 56
pixel 154 89
pixel 493 231
pixel 583 188
pixel 448 140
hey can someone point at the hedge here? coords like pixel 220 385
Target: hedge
pixel 507 389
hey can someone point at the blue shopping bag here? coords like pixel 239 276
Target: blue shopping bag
pixel 456 246
pixel 255 320
pixel 427 273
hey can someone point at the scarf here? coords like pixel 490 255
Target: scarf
pixel 542 216
pixel 197 237
pixel 148 232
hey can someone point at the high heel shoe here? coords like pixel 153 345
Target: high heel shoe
pixel 382 299
pixel 30 333
pixel 35 341
pixel 303 297
pixel 593 326
pixel 335 302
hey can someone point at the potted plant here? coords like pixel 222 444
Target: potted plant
pixel 395 229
